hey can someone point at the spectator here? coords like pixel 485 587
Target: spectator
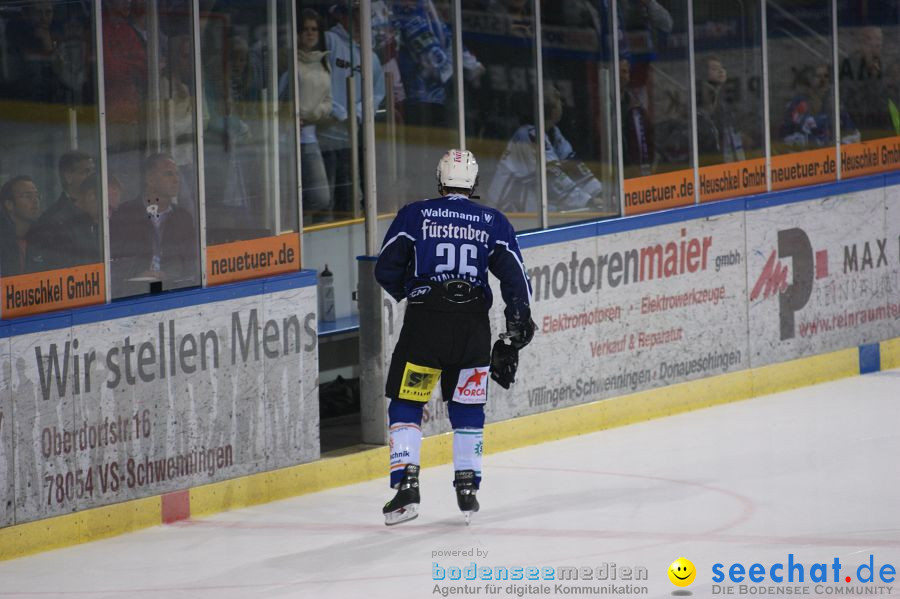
pixel 314 76
pixel 21 206
pixel 125 64
pixel 515 16
pixel 32 49
pixel 74 167
pixel 384 43
pixel 125 74
pixel 334 139
pixel 570 183
pixel 425 60
pixel 176 86
pixel 73 57
pixel 637 132
pixel 718 139
pixel 862 83
pixel 807 119
pixel 151 237
pixel 230 161
pixel 71 237
pixel 647 16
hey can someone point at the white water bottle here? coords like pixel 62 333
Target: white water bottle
pixel 326 296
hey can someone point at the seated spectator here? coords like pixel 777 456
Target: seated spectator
pixel 20 207
pixel 71 237
pixel 151 237
pixel 807 120
pixel 74 167
pixel 570 183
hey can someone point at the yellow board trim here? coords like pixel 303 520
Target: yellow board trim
pixel 79 527
pixel 890 354
pixel 71 529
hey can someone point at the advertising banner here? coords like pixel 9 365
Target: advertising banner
pixel 870 157
pixel 732 179
pixel 804 168
pixel 823 275
pixel 252 258
pixel 630 311
pixel 52 290
pixel 152 403
pixel 656 192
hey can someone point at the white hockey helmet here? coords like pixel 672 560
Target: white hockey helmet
pixel 458 169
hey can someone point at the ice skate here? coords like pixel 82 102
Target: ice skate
pixel 405 504
pixel 465 493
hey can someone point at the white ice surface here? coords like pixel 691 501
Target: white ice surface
pixel 812 472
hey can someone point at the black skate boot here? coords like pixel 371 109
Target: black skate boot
pixel 465 492
pixel 405 504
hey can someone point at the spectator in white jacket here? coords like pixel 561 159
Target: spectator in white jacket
pixel 314 75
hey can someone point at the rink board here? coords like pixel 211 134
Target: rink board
pixel 328 472
pixel 150 397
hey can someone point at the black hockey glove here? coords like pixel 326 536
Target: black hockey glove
pixel 504 362
pixel 519 332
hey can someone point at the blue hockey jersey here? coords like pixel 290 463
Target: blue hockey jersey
pixel 454 238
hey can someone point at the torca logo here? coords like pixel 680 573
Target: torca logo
pixel 806 266
pixel 475 381
pixel 471 386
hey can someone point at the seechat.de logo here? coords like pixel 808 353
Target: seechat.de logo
pixel 682 572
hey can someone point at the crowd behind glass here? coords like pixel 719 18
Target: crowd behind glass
pixel 252 81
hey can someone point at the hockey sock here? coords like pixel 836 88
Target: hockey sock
pixel 468 436
pixel 406 437
pixel 467 447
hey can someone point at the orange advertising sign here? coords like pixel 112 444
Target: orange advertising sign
pixel 657 192
pixel 52 290
pixel 721 181
pixel 804 168
pixel 870 157
pixel 253 258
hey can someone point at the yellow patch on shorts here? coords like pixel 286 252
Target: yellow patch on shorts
pixel 418 382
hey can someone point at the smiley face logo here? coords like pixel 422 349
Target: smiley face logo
pixel 682 572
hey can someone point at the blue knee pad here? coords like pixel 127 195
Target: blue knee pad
pixel 465 415
pixel 402 410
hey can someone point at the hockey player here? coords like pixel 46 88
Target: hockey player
pixel 436 255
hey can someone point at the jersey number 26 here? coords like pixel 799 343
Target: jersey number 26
pixel 447 252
